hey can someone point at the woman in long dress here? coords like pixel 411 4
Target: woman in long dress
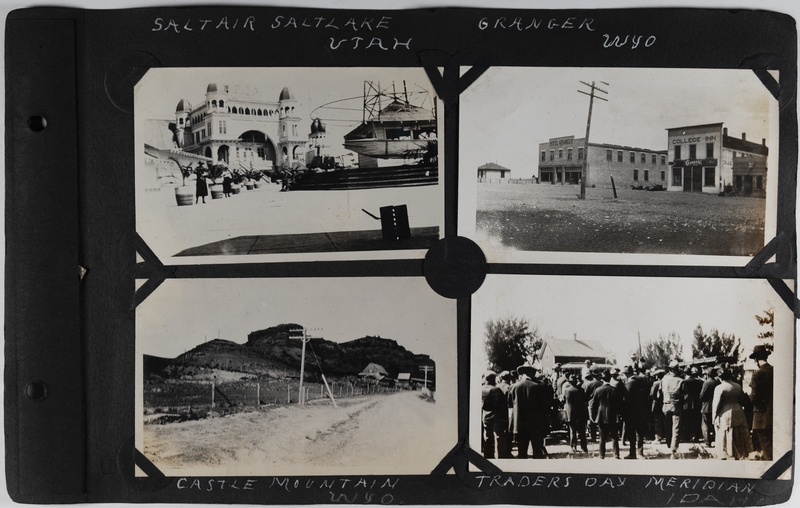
pixel 201 189
pixel 733 434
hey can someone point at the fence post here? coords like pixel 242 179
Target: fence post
pixel 213 386
pixel 288 394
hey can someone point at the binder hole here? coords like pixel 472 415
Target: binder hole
pixel 36 390
pixel 37 123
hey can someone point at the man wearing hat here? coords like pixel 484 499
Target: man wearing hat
pixel 692 386
pixel 672 390
pixel 761 396
pixel 530 402
pixel 606 406
pixel 637 408
pixel 592 382
pixel 494 417
pixel 660 429
pixel 706 398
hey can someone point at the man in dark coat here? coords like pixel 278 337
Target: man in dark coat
pixel 637 408
pixel 692 386
pixel 672 390
pixel 504 380
pixel 591 383
pixel 761 396
pixel 706 398
pixel 605 408
pixel 576 413
pixel 530 402
pixel 495 418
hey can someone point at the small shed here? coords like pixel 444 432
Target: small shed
pixel 404 380
pixel 555 351
pixel 491 170
pixel 373 371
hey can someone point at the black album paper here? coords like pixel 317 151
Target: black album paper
pixel 436 256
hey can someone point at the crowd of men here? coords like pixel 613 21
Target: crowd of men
pixel 636 404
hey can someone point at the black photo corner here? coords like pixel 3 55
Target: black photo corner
pixel 427 255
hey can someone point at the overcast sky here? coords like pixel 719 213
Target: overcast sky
pixel 182 313
pixel 613 310
pixel 160 90
pixel 508 111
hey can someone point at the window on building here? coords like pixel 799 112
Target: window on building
pixel 569 154
pixel 619 155
pixel 759 182
pixel 544 155
pixel 644 158
pixel 208 129
pixel 202 134
pixel 676 177
pixel 663 160
pixel 692 151
pixel 580 153
pixel 677 152
pixel 663 175
pixel 709 150
pixel 653 159
pixel 635 175
pixel 737 181
pixel 633 157
pixel 560 153
pixel 609 155
pixel 709 178
pixel 221 103
pixel 646 175
pixel 552 155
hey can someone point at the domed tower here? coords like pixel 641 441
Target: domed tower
pixel 291 142
pixel 317 138
pixel 215 98
pixel 183 130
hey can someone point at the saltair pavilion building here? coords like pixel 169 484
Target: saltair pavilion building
pixel 237 125
pixel 703 158
pixel 561 161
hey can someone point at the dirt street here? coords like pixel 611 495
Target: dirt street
pixel 376 434
pixel 552 218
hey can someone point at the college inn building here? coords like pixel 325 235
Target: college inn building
pixel 699 158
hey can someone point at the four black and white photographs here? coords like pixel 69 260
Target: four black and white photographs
pixel 255 165
pixel 681 165
pixel 275 164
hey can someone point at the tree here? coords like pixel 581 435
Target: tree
pixel 715 344
pixel 661 351
pixel 511 342
pixel 767 337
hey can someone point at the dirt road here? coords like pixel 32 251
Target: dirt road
pixel 551 218
pixel 378 434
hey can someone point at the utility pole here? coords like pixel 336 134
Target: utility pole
pixel 426 369
pixel 592 97
pixel 302 334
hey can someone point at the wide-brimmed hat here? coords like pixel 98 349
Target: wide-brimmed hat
pixel 760 351
pixel 490 375
pixel 673 364
pixel 504 375
pixel 527 369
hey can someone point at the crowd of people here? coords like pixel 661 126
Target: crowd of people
pixel 635 404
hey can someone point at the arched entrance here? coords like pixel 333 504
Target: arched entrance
pixel 256 147
pixel 208 152
pixel 223 154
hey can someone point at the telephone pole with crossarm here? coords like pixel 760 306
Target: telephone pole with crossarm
pixel 592 97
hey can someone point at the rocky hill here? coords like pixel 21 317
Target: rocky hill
pixel 270 352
